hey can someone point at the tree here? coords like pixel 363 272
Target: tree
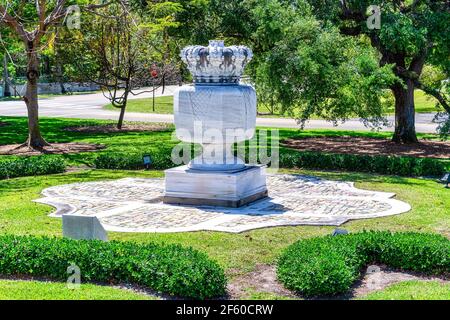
pixel 301 66
pixel 185 22
pixel 10 47
pixel 412 34
pixel 311 69
pixel 6 86
pixel 117 52
pixel 319 57
pixel 161 19
pixel 32 22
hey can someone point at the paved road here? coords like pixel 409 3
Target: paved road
pixel 89 106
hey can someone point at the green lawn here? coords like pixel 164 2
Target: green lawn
pixel 164 105
pixel 40 290
pixel 413 290
pixel 54 131
pixel 424 103
pixel 237 253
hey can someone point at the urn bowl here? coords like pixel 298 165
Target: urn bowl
pixel 215 116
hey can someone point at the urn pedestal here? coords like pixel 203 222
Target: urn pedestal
pixel 216 112
pixel 215 188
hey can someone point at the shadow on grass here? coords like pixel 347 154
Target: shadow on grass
pixel 24 184
pixel 53 130
pixel 302 134
pixel 361 177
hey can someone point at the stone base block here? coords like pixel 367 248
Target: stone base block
pixel 226 189
pixel 83 227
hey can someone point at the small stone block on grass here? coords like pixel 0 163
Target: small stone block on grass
pixel 83 227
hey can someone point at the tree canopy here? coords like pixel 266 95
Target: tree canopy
pixel 412 34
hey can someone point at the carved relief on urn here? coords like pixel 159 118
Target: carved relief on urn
pixel 216 63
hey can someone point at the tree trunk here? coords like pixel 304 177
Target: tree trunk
pixel 35 139
pixel 123 107
pixel 405 131
pixel 60 77
pixel 59 64
pixel 7 89
pixel 121 116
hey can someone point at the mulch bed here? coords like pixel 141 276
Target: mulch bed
pixel 264 279
pixel 54 148
pixel 112 128
pixel 370 146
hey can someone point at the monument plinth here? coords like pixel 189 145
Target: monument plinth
pixel 216 112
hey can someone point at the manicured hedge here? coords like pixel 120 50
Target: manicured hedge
pixel 31 166
pixel 133 161
pixel 169 269
pixel 403 166
pixel 330 265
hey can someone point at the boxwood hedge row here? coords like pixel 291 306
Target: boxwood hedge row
pixel 31 166
pixel 330 265
pixel 394 165
pixel 403 166
pixel 133 161
pixel 168 269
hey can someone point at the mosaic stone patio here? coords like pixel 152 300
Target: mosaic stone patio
pixel 135 205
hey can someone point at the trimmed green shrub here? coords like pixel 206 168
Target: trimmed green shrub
pixel 403 166
pixel 169 269
pixel 31 166
pixel 133 161
pixel 330 265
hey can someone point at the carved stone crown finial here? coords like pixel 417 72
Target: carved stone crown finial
pixel 216 64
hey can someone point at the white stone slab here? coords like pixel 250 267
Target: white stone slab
pixel 77 226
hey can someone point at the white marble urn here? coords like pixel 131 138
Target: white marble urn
pixel 216 111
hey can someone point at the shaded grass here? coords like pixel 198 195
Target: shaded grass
pixel 54 131
pixel 252 294
pixel 43 290
pixel 295 133
pixel 412 290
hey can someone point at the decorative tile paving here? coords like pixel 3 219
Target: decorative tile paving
pixel 135 205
